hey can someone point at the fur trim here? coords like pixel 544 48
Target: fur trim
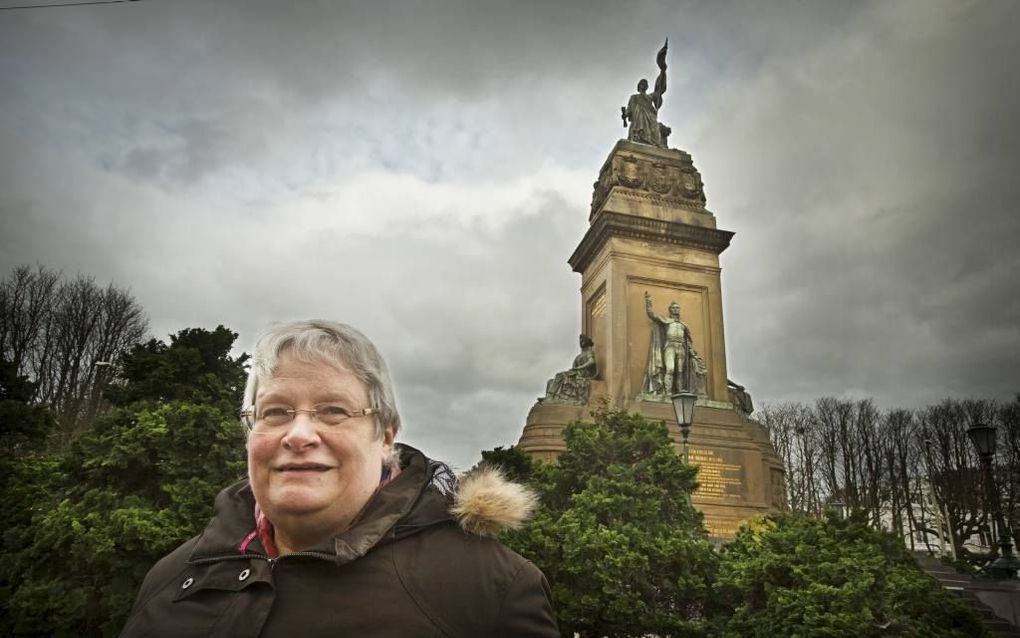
pixel 486 503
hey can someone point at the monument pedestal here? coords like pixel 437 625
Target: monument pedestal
pixel 650 233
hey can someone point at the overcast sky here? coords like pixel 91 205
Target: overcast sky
pixel 422 170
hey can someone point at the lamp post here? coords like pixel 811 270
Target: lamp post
pixel 103 368
pixel 683 407
pixel 1005 566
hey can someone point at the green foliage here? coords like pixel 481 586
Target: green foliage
pixel 515 464
pixel 89 524
pixel 137 486
pixel 23 427
pixel 27 485
pixel 29 475
pixel 792 576
pixel 623 549
pixel 196 367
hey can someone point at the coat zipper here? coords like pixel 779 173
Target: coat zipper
pixel 272 561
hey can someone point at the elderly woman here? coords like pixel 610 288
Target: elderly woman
pixel 338 531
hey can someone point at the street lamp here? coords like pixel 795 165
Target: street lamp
pixel 1005 566
pixel 683 407
pixel 103 368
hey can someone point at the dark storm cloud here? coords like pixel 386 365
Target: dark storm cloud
pixel 878 217
pixel 423 170
pixel 244 72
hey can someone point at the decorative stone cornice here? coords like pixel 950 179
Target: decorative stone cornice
pixel 630 194
pixel 663 175
pixel 608 224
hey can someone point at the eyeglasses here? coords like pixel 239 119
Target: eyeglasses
pixel 275 419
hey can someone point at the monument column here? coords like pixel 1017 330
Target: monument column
pixel 651 303
pixel 650 232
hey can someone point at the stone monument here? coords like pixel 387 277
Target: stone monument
pixel 652 244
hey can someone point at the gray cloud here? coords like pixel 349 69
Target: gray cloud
pixel 423 172
pixel 879 219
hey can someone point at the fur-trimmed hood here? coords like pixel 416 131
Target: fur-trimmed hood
pixel 428 576
pixel 486 502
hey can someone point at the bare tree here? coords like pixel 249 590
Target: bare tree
pixel 913 472
pixel 792 434
pixel 903 471
pixel 955 476
pixel 1008 461
pixel 59 333
pixel 26 298
pixel 868 441
pixel 836 434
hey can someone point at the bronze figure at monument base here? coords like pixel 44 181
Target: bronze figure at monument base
pixel 574 385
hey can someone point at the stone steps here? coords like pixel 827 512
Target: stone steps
pixel 964 587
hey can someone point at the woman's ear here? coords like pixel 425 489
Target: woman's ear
pixel 388 435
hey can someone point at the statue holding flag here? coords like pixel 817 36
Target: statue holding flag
pixel 643 109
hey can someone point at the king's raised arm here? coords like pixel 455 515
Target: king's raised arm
pixel 651 312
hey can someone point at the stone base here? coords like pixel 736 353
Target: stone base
pixel 739 476
pixel 542 438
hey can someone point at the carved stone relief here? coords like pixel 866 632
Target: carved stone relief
pixel 671 181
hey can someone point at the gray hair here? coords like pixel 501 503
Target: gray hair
pixel 333 343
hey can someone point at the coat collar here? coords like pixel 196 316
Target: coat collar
pixel 425 493
pixel 406 499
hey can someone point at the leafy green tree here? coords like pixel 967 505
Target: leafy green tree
pixel 798 577
pixel 515 464
pixel 195 367
pixel 23 426
pixel 27 473
pixel 132 487
pixel 624 551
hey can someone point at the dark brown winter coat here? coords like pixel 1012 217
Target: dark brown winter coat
pixel 406 568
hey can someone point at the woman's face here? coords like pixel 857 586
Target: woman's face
pixel 303 477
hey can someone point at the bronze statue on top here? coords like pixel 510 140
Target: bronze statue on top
pixel 643 109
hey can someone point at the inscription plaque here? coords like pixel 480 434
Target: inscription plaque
pixel 717 478
pixel 720 528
